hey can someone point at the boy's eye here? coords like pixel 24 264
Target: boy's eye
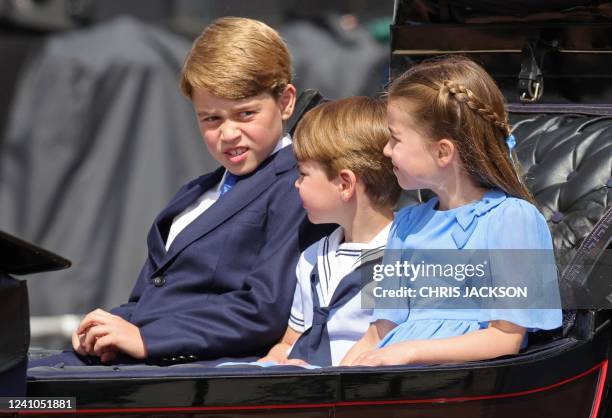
pixel 246 113
pixel 209 118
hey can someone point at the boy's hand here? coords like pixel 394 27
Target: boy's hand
pixel 77 343
pixel 108 357
pixel 278 353
pixel 294 362
pixel 283 361
pixel 267 359
pixel 103 334
pixel 375 332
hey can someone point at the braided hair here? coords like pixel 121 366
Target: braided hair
pixel 453 97
pixel 464 95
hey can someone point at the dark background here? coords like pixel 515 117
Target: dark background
pixel 24 24
pixel 73 186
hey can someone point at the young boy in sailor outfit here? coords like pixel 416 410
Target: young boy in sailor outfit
pixel 344 179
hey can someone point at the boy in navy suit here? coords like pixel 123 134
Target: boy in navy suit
pixel 218 279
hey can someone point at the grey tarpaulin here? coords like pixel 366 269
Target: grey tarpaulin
pixel 98 139
pixel 336 61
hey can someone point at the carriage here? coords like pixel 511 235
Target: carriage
pixel 552 61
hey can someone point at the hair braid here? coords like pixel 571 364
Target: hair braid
pixel 464 95
pixel 437 92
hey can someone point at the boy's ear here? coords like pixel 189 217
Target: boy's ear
pixel 286 101
pixel 445 152
pixel 348 183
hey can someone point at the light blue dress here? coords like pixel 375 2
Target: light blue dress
pixel 495 222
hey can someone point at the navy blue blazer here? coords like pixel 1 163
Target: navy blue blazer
pixel 225 287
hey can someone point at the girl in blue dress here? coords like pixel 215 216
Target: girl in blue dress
pixel 450 134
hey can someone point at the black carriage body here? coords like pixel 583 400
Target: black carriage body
pixel 18 257
pixel 553 61
pixel 566 379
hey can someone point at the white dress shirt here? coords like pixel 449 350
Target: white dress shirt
pixel 193 211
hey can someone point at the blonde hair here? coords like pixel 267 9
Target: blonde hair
pixel 453 97
pixel 235 58
pixel 350 134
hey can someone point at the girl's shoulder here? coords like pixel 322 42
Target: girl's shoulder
pixel 405 214
pixel 516 223
pixel 514 209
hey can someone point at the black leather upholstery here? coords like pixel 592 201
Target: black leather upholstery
pixel 567 161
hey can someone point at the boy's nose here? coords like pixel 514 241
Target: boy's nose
pixel 229 131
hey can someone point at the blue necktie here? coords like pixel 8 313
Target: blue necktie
pixel 230 181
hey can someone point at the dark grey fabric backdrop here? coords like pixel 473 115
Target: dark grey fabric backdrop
pixel 336 61
pixel 97 141
pixel 99 138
